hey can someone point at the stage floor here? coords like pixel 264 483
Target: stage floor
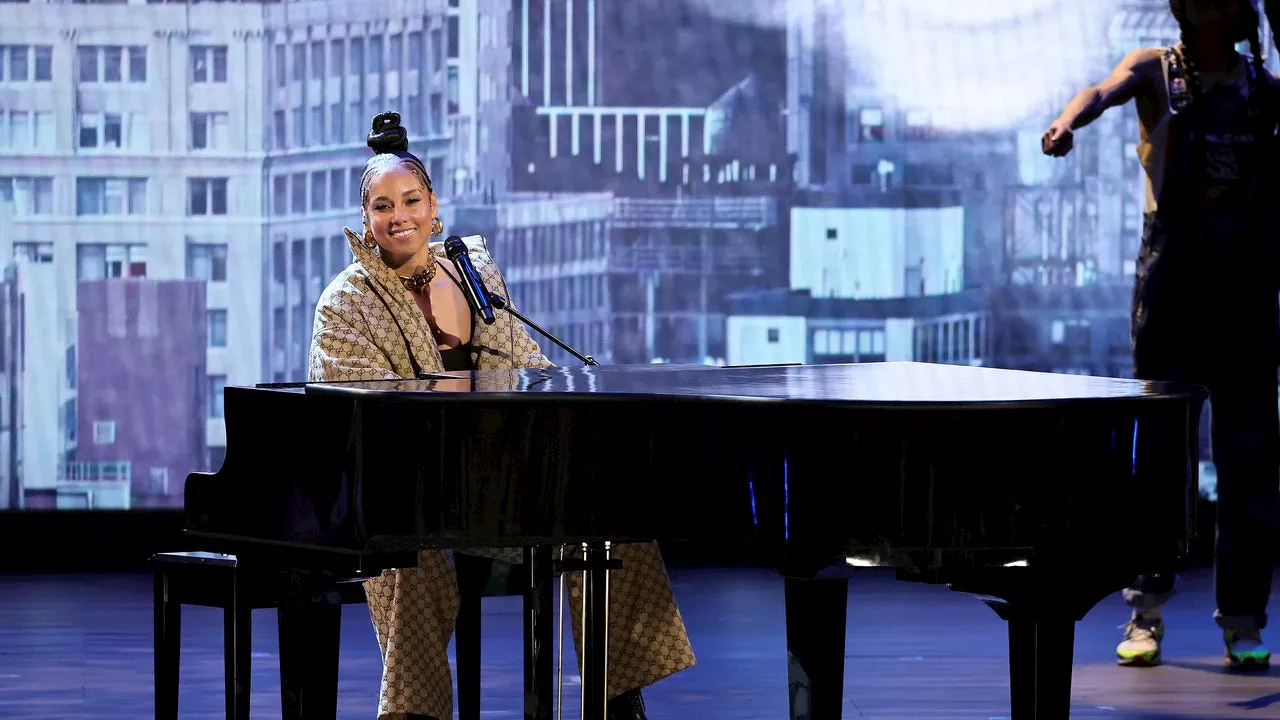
pixel 79 646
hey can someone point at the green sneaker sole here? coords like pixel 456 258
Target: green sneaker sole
pixel 1145 659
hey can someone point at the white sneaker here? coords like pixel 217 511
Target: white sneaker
pixel 1142 636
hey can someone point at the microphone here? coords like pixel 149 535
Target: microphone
pixel 477 296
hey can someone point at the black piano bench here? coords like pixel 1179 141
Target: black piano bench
pixel 309 619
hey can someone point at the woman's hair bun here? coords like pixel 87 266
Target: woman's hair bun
pixel 387 135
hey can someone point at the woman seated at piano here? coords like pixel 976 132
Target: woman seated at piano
pixel 398 310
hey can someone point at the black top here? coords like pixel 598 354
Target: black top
pixel 457 358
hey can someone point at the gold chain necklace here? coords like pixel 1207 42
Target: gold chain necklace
pixel 420 279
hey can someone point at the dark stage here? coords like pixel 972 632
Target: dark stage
pixel 76 646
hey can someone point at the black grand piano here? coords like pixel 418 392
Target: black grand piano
pixel 1012 486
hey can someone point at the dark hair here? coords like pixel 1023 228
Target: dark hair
pixel 390 144
pixel 1249 18
pixel 1250 22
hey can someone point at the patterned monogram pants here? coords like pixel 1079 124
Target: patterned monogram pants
pixel 414 610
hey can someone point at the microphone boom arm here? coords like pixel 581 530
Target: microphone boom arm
pixel 500 303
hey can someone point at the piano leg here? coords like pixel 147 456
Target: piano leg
pixel 237 653
pixel 596 563
pixel 1040 659
pixel 816 615
pixel 466 633
pixel 309 640
pixel 538 646
pixel 1042 610
pixel 168 647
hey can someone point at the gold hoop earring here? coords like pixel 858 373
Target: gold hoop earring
pixel 437 227
pixel 368 242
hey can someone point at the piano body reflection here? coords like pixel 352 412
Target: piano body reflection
pixel 1012 486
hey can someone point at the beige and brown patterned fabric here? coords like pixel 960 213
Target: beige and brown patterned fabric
pixel 358 337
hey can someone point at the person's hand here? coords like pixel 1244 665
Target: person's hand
pixel 1057 141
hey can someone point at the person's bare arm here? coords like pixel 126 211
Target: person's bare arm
pixel 1135 74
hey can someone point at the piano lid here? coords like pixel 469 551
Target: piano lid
pixel 894 384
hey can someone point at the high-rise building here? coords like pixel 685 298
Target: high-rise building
pixel 215 142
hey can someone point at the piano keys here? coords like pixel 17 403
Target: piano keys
pixel 1012 486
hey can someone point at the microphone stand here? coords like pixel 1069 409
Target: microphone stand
pixel 498 302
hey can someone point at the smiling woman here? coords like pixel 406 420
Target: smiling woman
pixel 396 312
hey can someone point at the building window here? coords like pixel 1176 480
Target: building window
pixel 355 116
pixel 100 262
pixel 337 66
pixel 280 70
pixel 319 193
pixel 98 130
pixel 335 124
pixel 299 128
pixel 298 193
pixel 159 481
pixel 33 252
pixel 113 131
pixel 111 196
pixel 207 261
pixel 280 194
pixel 317 59
pixel 217 383
pixel 454 91
pixel 337 200
pixel 417 51
pixel 207 196
pixel 299 62
pixel 209 131
pixel 104 432
pixel 17 63
pixel 832 234
pixel 454 38
pixel 208 63
pixel 27 195
pixel 871 125
pixel 437 49
pixel 316 131
pixel 280 328
pixel 436 116
pixel 375 54
pixel 111 63
pixel 25 130
pixel 217 328
pixel 217 453
pixel 918 125
pixel 279 131
pixel 339 254
pixel 355 54
pixel 773 335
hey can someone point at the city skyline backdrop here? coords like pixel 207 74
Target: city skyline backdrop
pixel 682 181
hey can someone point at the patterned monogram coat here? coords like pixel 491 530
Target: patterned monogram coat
pixel 367 327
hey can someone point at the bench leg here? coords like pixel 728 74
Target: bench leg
pixel 168 648
pixel 309 641
pixel 467 652
pixel 237 654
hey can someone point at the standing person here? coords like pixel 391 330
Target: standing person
pixel 1205 296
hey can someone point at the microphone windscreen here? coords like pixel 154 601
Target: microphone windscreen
pixel 454 246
